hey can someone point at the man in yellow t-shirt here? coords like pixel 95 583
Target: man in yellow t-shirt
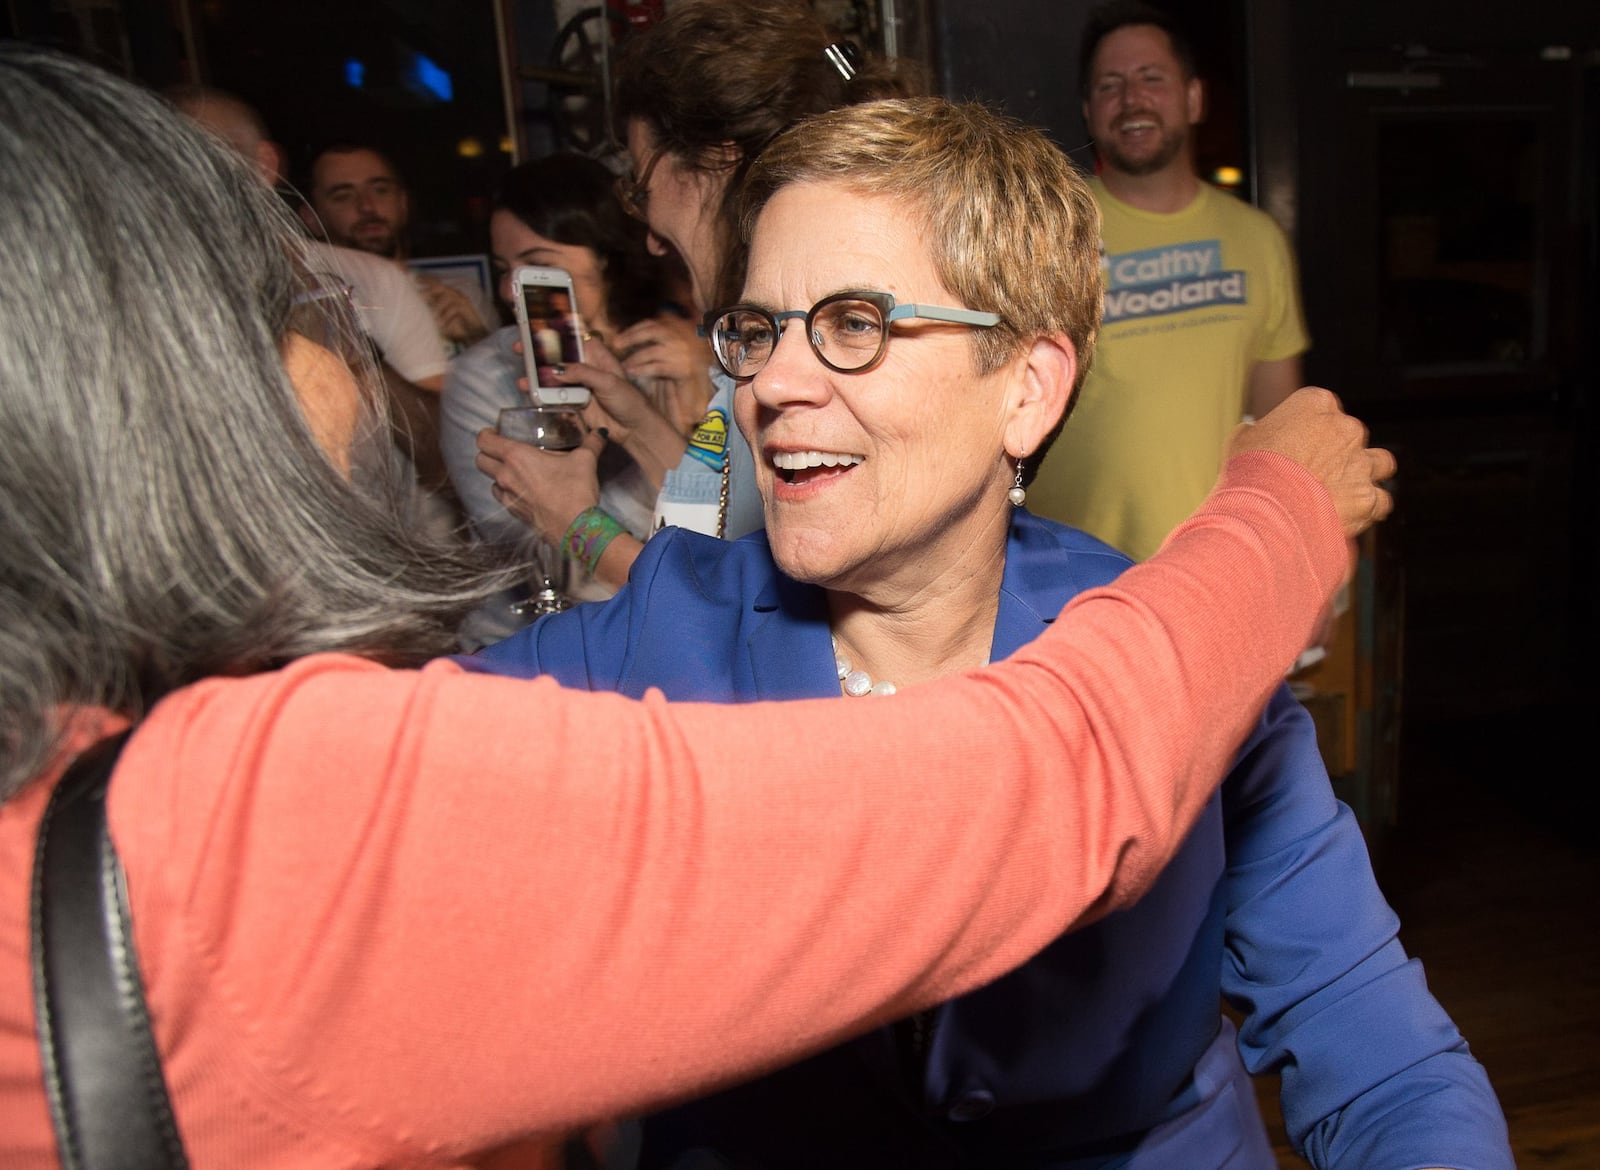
pixel 1202 312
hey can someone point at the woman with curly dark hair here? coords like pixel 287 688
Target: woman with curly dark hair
pixel 699 95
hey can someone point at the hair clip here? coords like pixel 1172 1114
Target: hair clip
pixel 844 57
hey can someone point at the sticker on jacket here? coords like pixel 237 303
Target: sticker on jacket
pixel 708 442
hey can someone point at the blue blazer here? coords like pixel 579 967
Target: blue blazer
pixel 1109 1048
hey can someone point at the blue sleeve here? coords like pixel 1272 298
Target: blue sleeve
pixel 1373 1070
pixel 671 627
pixel 583 647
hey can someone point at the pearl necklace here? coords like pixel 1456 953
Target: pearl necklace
pixel 857 683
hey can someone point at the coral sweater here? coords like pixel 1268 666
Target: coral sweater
pixel 392 918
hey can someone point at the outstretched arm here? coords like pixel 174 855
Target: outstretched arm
pixel 627 901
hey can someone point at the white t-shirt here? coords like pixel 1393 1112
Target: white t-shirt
pixel 391 310
pixel 475 295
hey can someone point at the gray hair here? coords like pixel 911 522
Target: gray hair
pixel 165 511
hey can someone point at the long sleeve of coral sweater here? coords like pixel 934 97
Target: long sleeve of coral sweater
pixel 391 918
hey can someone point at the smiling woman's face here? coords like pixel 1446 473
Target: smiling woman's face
pixel 1141 105
pixel 682 207
pixel 911 473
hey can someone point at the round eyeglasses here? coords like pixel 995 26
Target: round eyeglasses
pixel 848 331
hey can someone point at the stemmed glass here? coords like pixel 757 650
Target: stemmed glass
pixel 551 428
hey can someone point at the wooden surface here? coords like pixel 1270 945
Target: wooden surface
pixel 1495 871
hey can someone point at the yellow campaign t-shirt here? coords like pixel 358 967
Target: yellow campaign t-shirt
pixel 1193 299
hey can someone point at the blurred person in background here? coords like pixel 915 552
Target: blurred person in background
pixel 1203 321
pixel 562 211
pixel 356 198
pixel 391 313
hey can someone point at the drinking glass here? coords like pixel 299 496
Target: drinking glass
pixel 552 428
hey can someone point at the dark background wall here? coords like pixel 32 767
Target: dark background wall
pixel 1499 518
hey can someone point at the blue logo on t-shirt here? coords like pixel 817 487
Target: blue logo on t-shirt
pixel 1172 279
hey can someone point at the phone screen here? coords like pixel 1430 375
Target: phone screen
pixel 552 329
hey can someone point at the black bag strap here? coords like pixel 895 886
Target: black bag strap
pixel 102 1072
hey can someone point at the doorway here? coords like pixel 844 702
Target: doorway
pixel 1447 269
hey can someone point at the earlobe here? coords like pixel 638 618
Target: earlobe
pixel 1043 389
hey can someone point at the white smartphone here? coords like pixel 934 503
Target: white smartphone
pixel 547 317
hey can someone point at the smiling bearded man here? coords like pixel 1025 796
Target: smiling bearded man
pixel 1202 318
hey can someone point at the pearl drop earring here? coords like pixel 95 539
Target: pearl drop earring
pixel 1018 493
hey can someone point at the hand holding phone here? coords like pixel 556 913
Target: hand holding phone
pixel 552 335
